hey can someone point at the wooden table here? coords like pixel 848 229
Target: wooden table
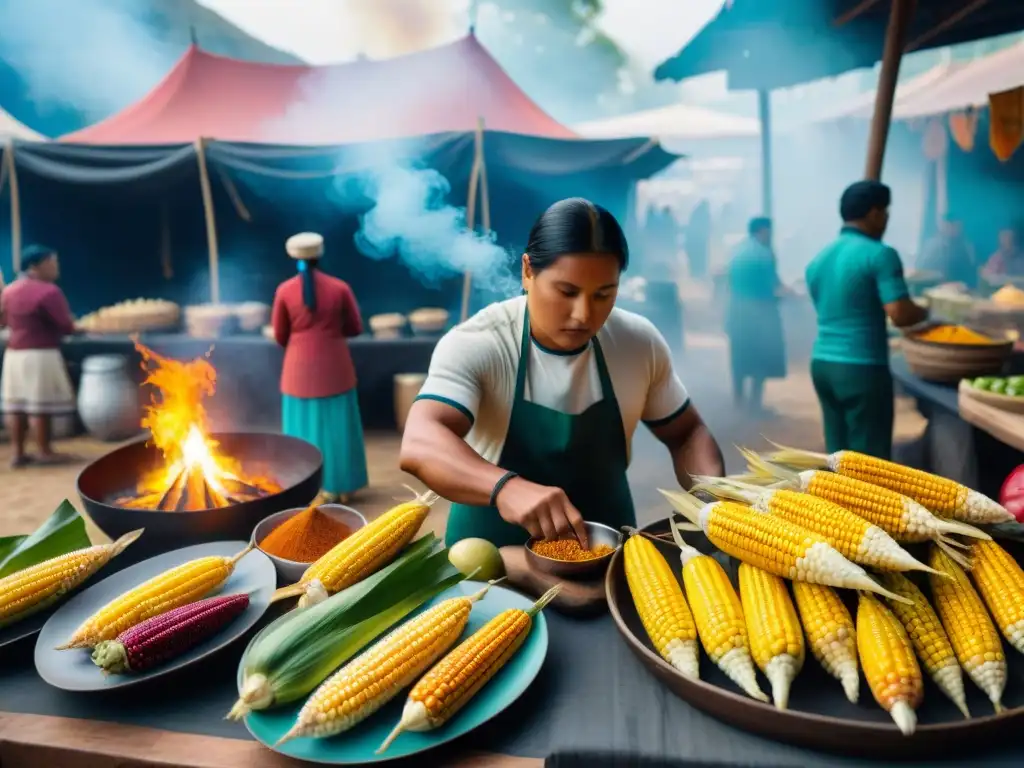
pixel 32 741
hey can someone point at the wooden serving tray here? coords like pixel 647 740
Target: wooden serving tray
pixel 995 400
pixel 577 598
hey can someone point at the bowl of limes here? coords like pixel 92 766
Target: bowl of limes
pixel 1004 393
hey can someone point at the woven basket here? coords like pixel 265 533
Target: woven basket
pixel 428 320
pixel 387 326
pixel 948 363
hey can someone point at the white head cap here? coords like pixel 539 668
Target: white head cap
pixel 305 246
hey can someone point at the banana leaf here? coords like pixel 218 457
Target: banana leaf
pixel 63 532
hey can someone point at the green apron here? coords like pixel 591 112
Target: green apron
pixel 583 454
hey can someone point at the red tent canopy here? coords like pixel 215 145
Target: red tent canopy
pixel 432 91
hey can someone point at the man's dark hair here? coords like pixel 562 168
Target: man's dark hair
pixel 758 224
pixel 862 197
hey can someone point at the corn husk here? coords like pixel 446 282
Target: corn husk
pixel 298 651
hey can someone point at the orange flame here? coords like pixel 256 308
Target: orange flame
pixel 195 475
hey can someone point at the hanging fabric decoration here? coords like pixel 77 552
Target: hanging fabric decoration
pixel 936 141
pixel 964 128
pixel 1006 122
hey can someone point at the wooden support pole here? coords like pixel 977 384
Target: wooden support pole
pixel 477 181
pixel 764 112
pixel 900 14
pixel 12 176
pixel 211 221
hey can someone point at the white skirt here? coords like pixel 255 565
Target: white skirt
pixel 35 382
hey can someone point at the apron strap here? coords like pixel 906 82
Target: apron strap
pixel 602 372
pixel 524 358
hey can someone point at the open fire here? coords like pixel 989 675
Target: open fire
pixel 194 474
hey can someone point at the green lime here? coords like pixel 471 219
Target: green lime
pixel 998 386
pixel 984 382
pixel 1015 381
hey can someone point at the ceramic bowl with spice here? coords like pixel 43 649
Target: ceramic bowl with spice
pixel 295 538
pixel 566 560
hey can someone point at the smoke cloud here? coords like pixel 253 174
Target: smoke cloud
pixel 412 220
pixel 93 55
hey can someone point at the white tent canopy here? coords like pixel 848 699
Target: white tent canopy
pixel 862 106
pixel 679 122
pixel 13 129
pixel 968 86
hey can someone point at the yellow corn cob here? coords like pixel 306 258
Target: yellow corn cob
pixel 928 638
pixel 899 516
pixel 183 584
pixel 940 495
pixel 772 544
pixel 375 676
pixel 776 639
pixel 32 589
pixel 853 537
pixel 830 633
pixel 661 606
pixel 971 632
pixel 719 616
pixel 1000 581
pixel 889 663
pixel 455 679
pixel 364 552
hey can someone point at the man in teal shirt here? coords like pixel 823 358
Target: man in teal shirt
pixel 854 283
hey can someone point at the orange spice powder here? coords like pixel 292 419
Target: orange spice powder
pixel 306 537
pixel 568 550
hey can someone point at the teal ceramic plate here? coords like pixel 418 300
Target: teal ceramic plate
pixel 358 745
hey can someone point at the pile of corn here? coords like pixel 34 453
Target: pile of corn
pixel 819 521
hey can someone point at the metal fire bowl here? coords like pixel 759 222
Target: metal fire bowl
pixel 295 464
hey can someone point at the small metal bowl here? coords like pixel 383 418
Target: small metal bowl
pixel 290 571
pixel 581 570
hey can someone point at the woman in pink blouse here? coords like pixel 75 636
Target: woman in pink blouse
pixel 314 315
pixel 34 384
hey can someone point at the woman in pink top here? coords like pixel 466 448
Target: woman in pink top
pixel 34 384
pixel 314 315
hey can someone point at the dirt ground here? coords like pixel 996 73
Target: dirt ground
pixel 28 496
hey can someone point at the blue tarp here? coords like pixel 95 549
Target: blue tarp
pixel 112 212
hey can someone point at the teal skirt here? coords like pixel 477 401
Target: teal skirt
pixel 335 426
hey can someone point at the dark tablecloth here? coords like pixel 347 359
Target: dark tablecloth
pixel 950 446
pixel 249 368
pixel 593 705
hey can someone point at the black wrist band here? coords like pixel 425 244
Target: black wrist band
pixel 499 485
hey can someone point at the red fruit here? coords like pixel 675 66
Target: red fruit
pixel 1011 495
pixel 164 637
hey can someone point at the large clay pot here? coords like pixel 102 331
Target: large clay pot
pixel 108 399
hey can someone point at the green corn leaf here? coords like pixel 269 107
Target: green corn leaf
pixel 278 641
pixel 325 653
pixel 63 532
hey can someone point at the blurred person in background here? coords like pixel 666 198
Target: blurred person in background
pixel 313 317
pixel 698 240
pixel 854 284
pixel 1008 260
pixel 34 384
pixel 527 416
pixel 757 346
pixel 950 254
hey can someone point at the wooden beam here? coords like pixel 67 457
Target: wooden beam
pixel 28 741
pixel 764 111
pixel 900 14
pixel 947 23
pixel 852 13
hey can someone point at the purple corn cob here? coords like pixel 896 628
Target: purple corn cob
pixel 168 635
